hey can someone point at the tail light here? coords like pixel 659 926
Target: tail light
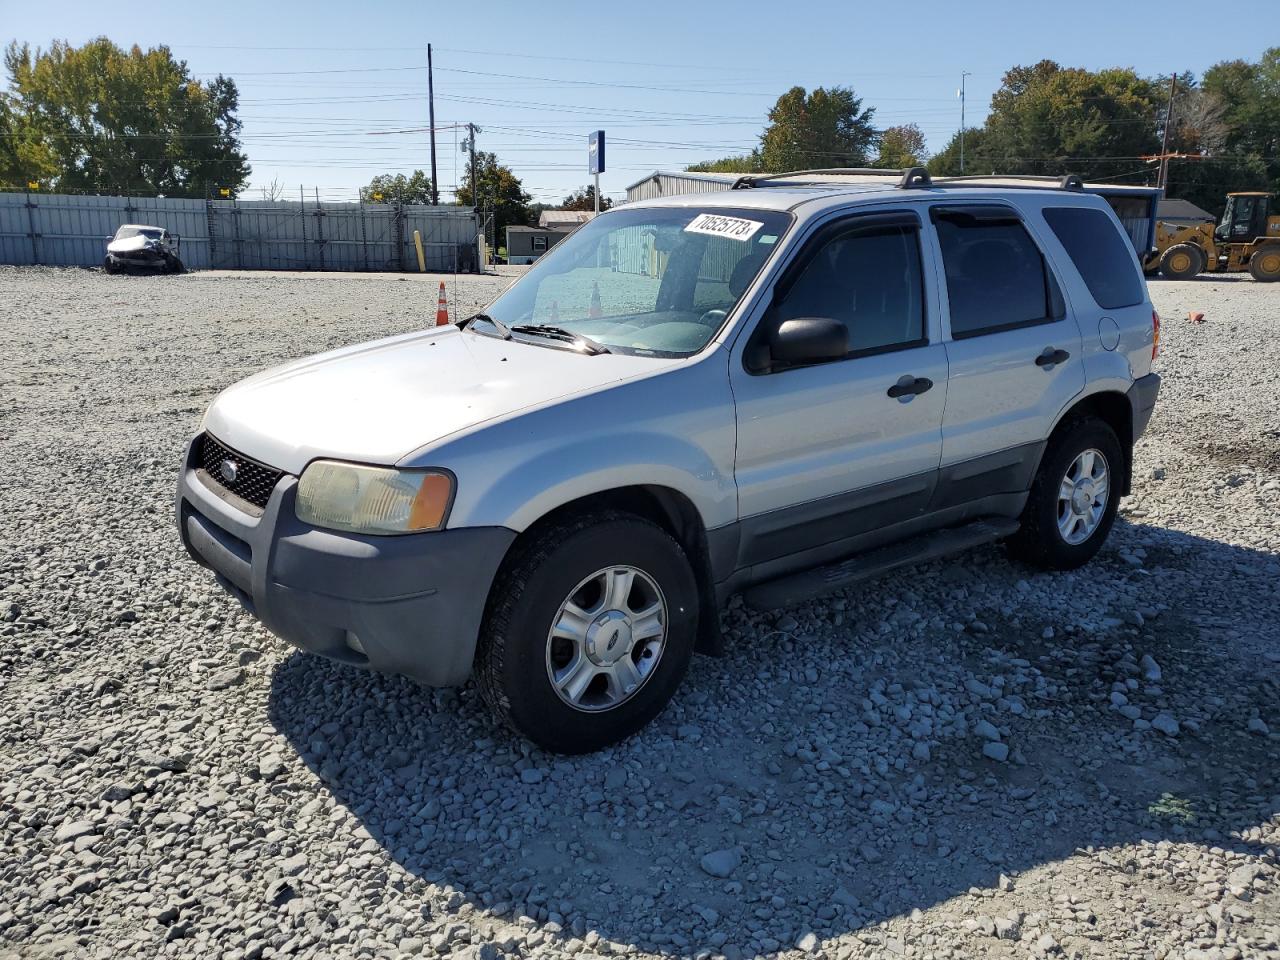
pixel 1155 334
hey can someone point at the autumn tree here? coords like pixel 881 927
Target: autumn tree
pixel 902 146
pixel 584 198
pixel 99 118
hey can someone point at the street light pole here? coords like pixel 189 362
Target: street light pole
pixel 431 117
pixel 963 74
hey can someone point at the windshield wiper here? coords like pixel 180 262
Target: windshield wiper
pixel 498 325
pixel 560 333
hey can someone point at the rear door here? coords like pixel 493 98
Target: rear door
pixel 1013 350
pixel 1111 304
pixel 833 450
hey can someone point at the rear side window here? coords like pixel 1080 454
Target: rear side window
pixel 1103 257
pixel 996 276
pixel 869 278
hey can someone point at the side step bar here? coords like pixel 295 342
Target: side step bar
pixel 799 587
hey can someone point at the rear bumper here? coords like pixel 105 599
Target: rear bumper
pixel 413 604
pixel 1142 400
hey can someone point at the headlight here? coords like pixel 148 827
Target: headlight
pixel 380 500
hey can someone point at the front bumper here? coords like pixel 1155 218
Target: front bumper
pixel 413 603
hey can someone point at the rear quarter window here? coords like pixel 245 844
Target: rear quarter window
pixel 1100 253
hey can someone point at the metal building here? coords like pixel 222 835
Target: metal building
pixel 660 184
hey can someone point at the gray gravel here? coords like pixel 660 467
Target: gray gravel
pixel 968 760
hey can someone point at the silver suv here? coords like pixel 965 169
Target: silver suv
pixel 778 390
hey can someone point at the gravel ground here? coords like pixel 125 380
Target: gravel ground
pixel 970 760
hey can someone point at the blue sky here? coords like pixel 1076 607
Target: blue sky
pixel 327 88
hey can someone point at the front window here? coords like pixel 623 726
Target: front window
pixel 151 233
pixel 656 282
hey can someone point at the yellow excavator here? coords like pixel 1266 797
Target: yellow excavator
pixel 1247 238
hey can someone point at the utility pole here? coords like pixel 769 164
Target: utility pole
pixel 963 74
pixel 1162 179
pixel 471 145
pixel 431 117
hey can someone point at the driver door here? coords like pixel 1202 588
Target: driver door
pixel 830 451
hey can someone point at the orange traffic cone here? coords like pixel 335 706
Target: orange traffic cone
pixel 555 311
pixel 595 301
pixel 442 308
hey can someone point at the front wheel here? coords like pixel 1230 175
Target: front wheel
pixel 589 630
pixel 1182 261
pixel 1073 499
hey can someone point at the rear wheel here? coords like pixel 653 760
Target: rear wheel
pixel 1073 499
pixel 589 631
pixel 1182 261
pixel 1264 265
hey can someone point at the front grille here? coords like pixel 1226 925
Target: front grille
pixel 253 481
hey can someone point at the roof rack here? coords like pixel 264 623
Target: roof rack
pixel 908 178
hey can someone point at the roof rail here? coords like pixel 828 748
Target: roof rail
pixel 908 178
pixel 1070 181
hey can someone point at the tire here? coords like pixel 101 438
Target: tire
pixel 109 265
pixel 1264 265
pixel 1182 261
pixel 174 265
pixel 518 653
pixel 1041 540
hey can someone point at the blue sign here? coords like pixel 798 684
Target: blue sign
pixel 595 152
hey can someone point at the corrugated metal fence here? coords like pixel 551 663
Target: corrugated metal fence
pixel 65 230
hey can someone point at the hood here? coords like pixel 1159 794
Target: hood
pixel 135 244
pixel 380 401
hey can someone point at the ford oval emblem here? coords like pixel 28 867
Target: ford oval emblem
pixel 229 470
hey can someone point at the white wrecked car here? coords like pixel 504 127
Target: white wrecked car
pixel 140 247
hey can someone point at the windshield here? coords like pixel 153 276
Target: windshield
pixel 658 281
pixel 151 233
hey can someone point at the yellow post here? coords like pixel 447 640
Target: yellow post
pixel 422 261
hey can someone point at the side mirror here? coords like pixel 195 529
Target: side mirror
pixel 809 340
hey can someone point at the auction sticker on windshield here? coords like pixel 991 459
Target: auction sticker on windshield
pixel 731 228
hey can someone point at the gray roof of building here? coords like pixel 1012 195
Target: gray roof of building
pixel 1175 209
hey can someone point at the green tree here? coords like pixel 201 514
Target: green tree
pixel 747 163
pixel 902 146
pixel 500 191
pixel 825 128
pixel 397 188
pixel 24 155
pixel 584 198
pixel 946 162
pixel 99 118
pixel 1049 119
pixel 1249 155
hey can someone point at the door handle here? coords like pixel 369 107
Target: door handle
pixel 908 386
pixel 1051 357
